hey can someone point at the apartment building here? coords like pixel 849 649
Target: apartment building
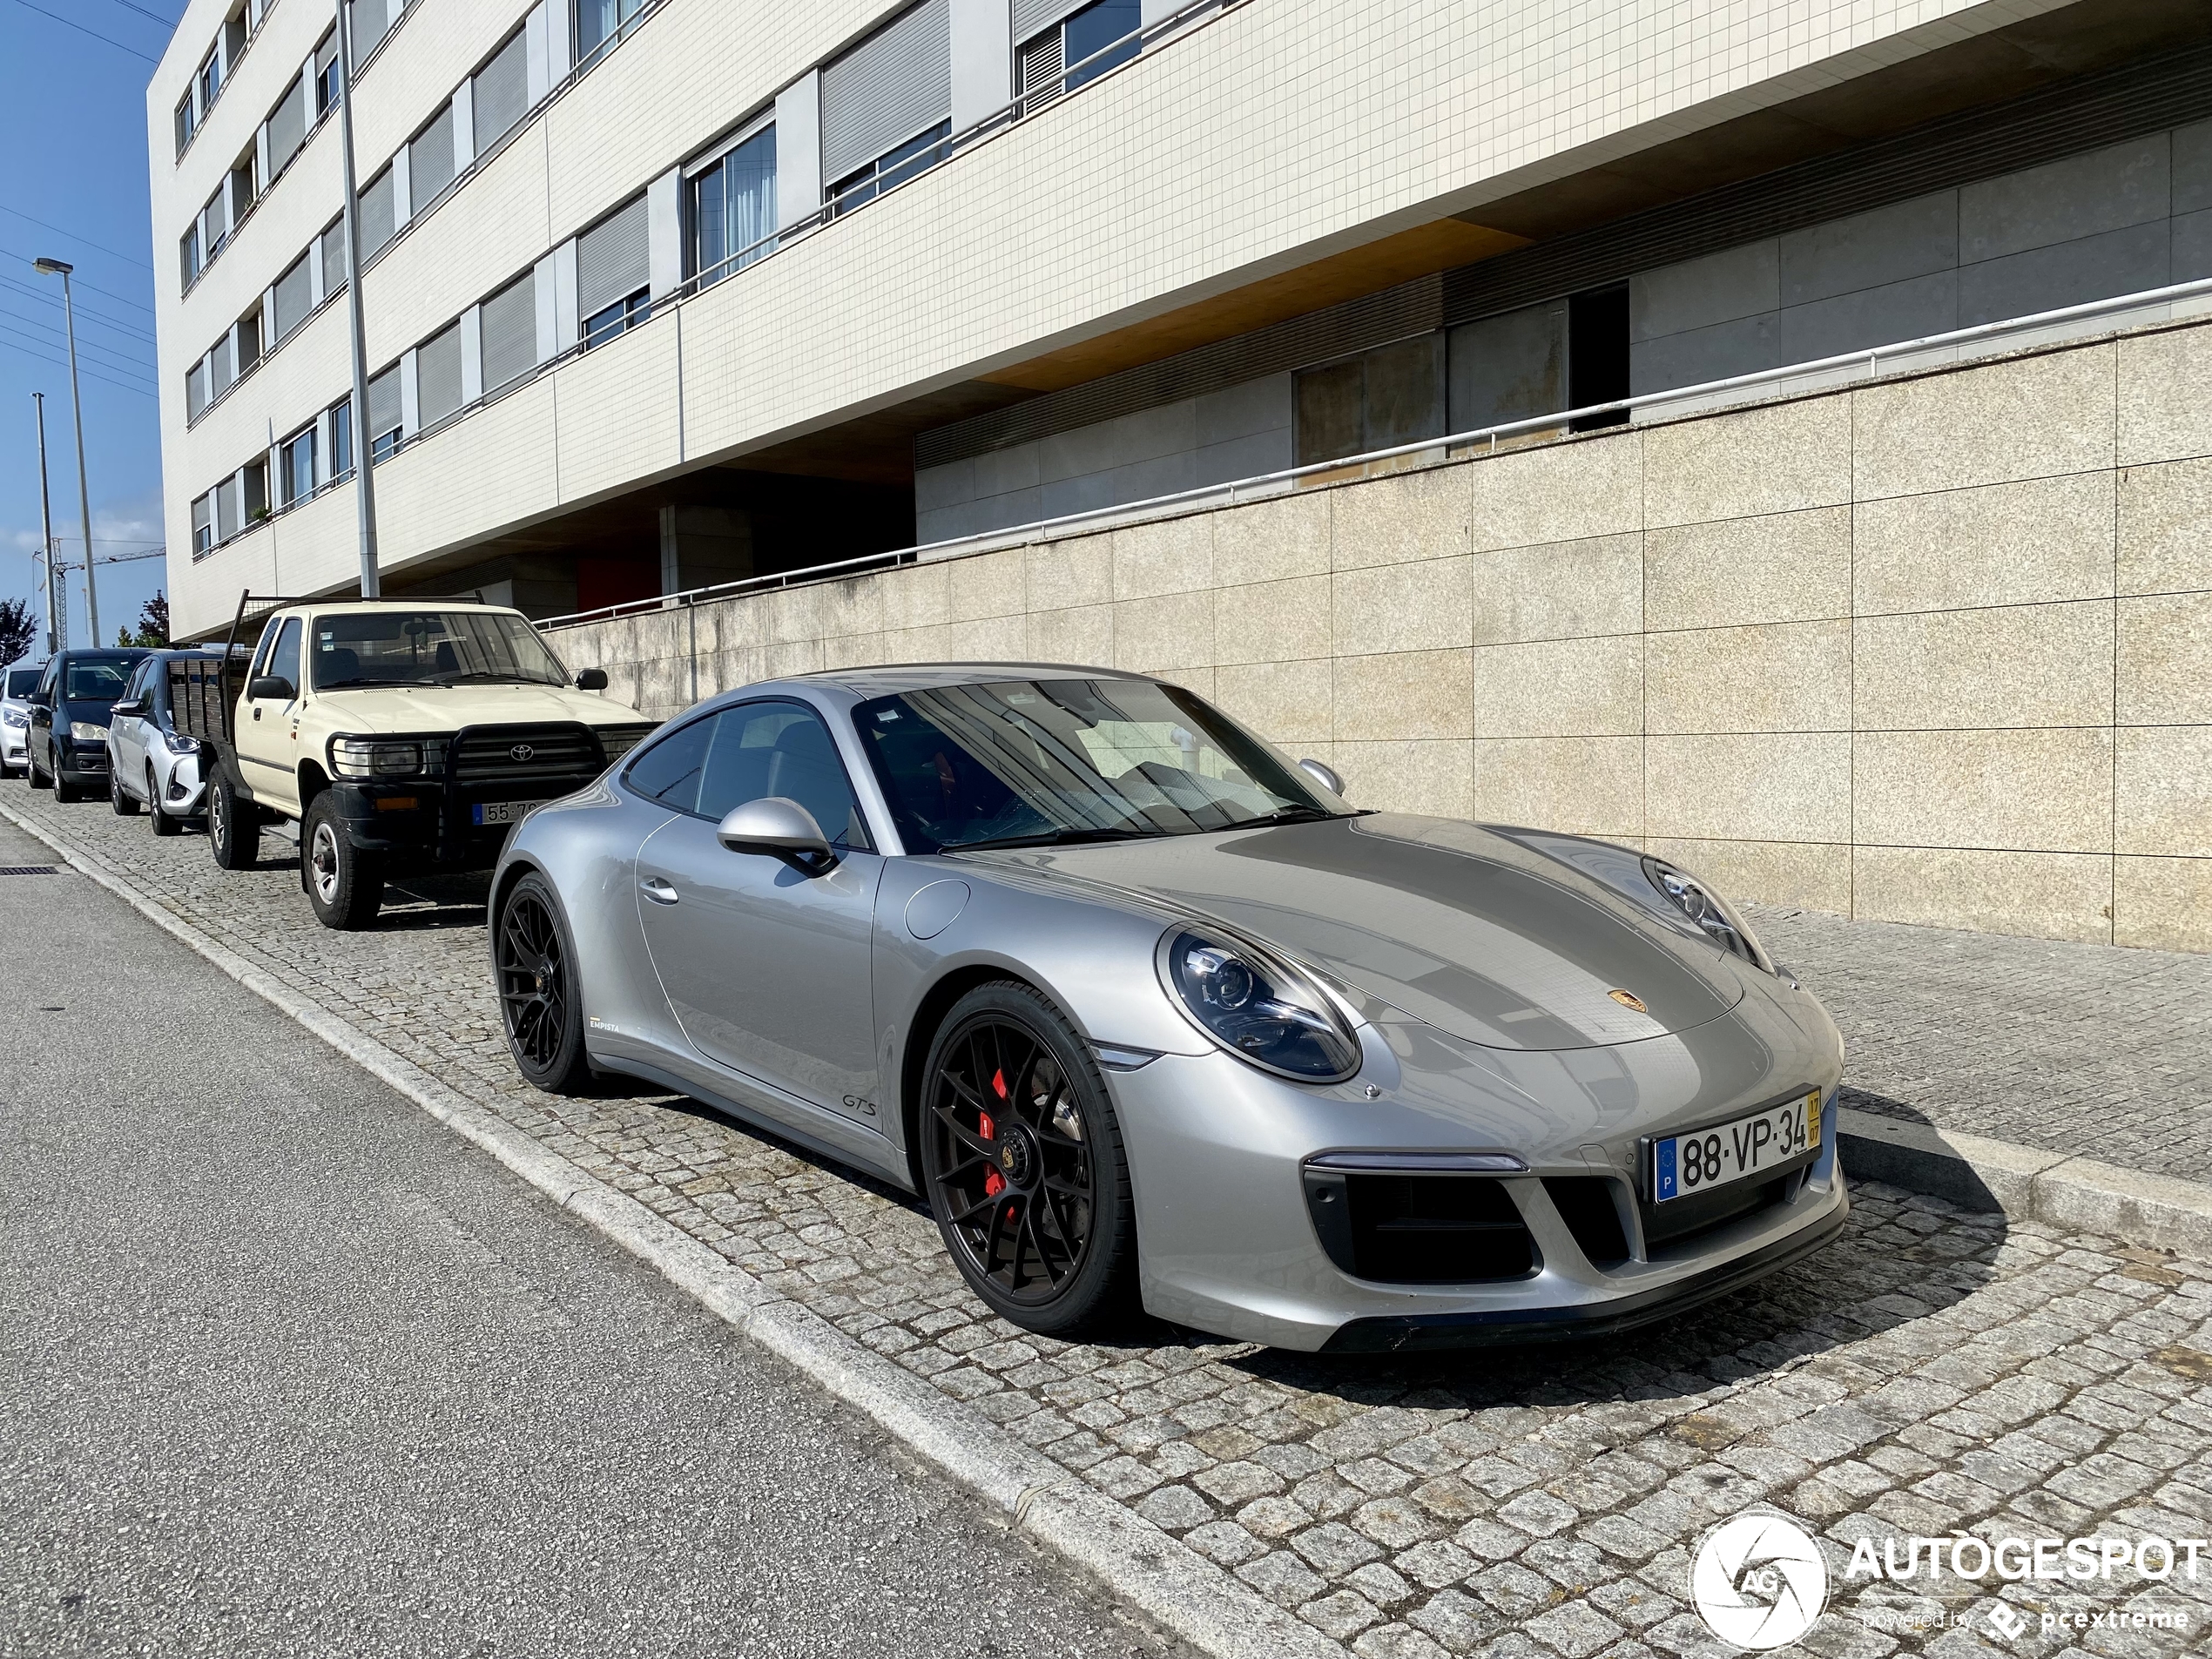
pixel 667 293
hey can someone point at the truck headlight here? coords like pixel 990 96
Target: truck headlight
pixel 1709 910
pixel 1258 1006
pixel 365 757
pixel 85 731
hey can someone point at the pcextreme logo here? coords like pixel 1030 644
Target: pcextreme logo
pixel 1758 1582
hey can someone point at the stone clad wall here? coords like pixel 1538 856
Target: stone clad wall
pixel 1936 649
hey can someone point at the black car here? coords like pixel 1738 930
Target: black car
pixel 68 717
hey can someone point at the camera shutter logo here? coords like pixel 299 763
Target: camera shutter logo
pixel 1758 1582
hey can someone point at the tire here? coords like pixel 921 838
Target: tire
pixel 1022 1164
pixel 233 832
pixel 125 804
pixel 345 885
pixel 163 824
pixel 65 792
pixel 540 1004
pixel 39 779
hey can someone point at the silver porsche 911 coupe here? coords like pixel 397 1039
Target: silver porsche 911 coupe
pixel 1146 1013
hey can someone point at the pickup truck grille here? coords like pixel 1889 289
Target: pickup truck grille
pixel 525 755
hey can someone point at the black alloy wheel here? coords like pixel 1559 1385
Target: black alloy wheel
pixel 163 824
pixel 125 804
pixel 538 1003
pixel 1023 1160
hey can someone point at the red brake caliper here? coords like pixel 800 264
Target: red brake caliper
pixel 994 1183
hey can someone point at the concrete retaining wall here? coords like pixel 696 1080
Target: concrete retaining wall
pixel 1935 648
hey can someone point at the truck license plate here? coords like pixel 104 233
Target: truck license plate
pixel 1682 1164
pixel 504 811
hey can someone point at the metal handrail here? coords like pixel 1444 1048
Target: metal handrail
pixel 1270 483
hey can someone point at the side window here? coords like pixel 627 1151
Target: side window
pixel 780 749
pixel 284 661
pixel 141 677
pixel 668 772
pixel 262 652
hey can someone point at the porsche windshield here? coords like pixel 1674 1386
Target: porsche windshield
pixel 1028 763
pixel 429 648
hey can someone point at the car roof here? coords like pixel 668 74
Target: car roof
pixel 889 680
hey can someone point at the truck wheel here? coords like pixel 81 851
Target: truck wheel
pixel 232 834
pixel 344 884
pixel 124 803
pixel 540 1004
pixel 163 824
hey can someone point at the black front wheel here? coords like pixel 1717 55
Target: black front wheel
pixel 345 885
pixel 539 1000
pixel 39 779
pixel 233 832
pixel 163 824
pixel 1023 1157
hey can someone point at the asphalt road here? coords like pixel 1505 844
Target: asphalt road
pixel 285 1368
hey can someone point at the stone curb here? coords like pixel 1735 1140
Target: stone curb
pixel 2076 1194
pixel 1166 1581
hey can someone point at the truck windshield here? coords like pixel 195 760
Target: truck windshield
pixel 428 648
pixel 97 679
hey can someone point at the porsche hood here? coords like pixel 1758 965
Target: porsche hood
pixel 1465 929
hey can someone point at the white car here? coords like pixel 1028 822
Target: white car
pixel 151 763
pixel 15 716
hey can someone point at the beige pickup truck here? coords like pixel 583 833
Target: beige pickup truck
pixel 401 736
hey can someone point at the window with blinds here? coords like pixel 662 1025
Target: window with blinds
pixel 1081 43
pixel 203 525
pixel 287 127
pixel 326 74
pixel 600 24
pixel 384 413
pixel 501 94
pixel 227 513
pixel 293 297
pixel 218 364
pixel 375 208
pixel 430 161
pixel 296 467
pixel 509 331
pixel 372 21
pixel 1041 64
pixel 196 392
pixel 733 208
pixel 437 376
pixel 613 268
pixel 331 246
pixel 892 85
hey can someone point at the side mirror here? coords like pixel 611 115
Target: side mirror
pixel 780 828
pixel 592 680
pixel 272 687
pixel 1324 776
pixel 130 705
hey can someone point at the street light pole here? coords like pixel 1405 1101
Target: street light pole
pixel 55 637
pixel 56 267
pixel 364 483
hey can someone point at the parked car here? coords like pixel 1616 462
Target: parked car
pixel 17 686
pixel 398 735
pixel 151 763
pixel 1144 1011
pixel 68 717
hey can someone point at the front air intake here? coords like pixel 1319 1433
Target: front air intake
pixel 1420 1228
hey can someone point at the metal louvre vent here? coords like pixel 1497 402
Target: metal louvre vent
pixel 1042 63
pixel 613 259
pixel 563 754
pixel 893 85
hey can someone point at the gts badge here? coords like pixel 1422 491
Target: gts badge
pixel 854 1103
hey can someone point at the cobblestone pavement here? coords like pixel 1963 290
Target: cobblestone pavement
pixel 2077 1049
pixel 1933 1371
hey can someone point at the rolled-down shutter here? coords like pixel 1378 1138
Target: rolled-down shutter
pixel 1032 15
pixel 295 296
pixel 437 376
pixel 613 259
pixel 510 332
pixel 287 126
pixel 430 161
pixel 333 244
pixel 893 85
pixel 502 92
pixel 376 221
pixel 384 403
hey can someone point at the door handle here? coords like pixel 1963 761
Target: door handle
pixel 658 890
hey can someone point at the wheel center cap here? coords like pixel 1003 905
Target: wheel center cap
pixel 1017 1157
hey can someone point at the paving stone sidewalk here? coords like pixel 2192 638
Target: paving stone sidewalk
pixel 1931 1371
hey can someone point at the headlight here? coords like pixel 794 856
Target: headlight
pixel 1709 910
pixel 1258 1007
pixel 365 758
pixel 85 731
pixel 15 716
pixel 179 744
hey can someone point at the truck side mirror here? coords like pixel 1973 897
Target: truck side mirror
pixel 592 680
pixel 780 828
pixel 274 687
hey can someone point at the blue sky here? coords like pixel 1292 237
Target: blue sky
pixel 73 120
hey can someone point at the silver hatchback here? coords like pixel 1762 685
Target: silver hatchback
pixel 151 763
pixel 1148 1012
